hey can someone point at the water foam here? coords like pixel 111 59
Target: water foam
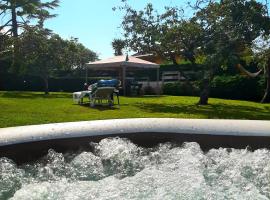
pixel 118 169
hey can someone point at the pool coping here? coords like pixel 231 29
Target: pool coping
pixel 217 127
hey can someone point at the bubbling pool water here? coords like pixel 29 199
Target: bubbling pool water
pixel 118 169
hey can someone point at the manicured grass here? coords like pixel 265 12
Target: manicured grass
pixel 25 108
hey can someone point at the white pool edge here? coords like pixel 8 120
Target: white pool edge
pixel 35 133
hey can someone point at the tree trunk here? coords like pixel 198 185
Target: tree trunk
pixel 15 34
pixel 205 92
pixel 266 97
pixel 46 85
pixel 173 59
pixel 183 74
pixel 14 19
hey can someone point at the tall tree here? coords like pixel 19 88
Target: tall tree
pixel 262 51
pixel 222 30
pixel 261 48
pixel 230 27
pixel 44 54
pixel 38 54
pixel 167 35
pixel 18 13
pixel 75 55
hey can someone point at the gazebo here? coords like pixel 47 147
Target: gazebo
pixel 122 64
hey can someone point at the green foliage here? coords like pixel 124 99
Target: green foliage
pixel 37 53
pixel 45 54
pixel 179 89
pixel 220 33
pixel 76 54
pixel 167 34
pixel 18 14
pixel 237 87
pixel 5 47
pixel 11 82
pixel 226 87
pixel 229 27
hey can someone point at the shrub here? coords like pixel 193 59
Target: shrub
pixel 31 83
pixel 179 89
pixel 226 87
pixel 236 87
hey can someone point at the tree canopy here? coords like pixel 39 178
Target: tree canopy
pixel 45 54
pixel 34 49
pixel 18 14
pixel 223 31
pixel 229 27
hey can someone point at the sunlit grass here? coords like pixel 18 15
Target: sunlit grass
pixel 25 108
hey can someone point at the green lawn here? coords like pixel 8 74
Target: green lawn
pixel 24 108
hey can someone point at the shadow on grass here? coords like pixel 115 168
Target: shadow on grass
pixel 147 96
pixel 221 111
pixel 33 95
pixel 99 107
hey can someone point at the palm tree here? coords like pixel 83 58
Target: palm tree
pixel 118 45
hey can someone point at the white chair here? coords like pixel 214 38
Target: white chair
pixel 102 94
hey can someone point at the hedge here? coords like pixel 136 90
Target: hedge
pixel 180 89
pixel 32 83
pixel 237 87
pixel 226 87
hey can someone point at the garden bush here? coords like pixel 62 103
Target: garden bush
pixel 180 89
pixel 237 87
pixel 226 87
pixel 11 82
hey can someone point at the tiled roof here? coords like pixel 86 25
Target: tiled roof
pixel 119 61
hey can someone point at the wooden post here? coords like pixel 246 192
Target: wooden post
pixel 86 75
pixel 158 89
pixel 124 80
pixel 120 75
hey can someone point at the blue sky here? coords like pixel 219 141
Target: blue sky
pixel 94 22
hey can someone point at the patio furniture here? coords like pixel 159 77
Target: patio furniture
pixel 102 94
pixel 78 96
